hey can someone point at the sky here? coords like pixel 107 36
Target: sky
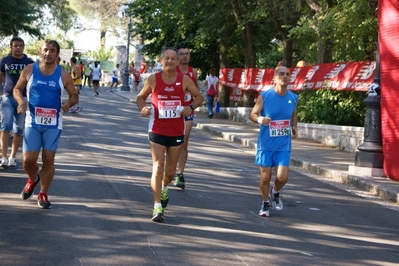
pixel 90 39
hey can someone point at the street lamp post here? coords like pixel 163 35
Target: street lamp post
pixel 125 85
pixel 370 152
pixel 369 157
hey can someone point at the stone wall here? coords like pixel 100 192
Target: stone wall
pixel 344 137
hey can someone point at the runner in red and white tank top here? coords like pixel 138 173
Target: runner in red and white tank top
pixel 167 126
pixel 166 100
pixel 192 74
pixel 184 68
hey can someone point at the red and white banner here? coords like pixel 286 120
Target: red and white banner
pixel 356 76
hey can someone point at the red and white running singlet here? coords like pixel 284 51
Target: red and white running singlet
pixel 188 99
pixel 165 101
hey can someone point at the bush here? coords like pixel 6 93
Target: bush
pixel 332 107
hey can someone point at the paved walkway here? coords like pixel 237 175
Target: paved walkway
pixel 307 155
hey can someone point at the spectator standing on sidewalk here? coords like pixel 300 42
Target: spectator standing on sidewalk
pixel 212 84
pixel 166 125
pixel 11 67
pixel 184 68
pixel 45 82
pixel 77 81
pixel 275 110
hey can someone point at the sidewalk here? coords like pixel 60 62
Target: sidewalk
pixel 329 162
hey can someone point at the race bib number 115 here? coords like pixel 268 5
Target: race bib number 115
pixel 168 109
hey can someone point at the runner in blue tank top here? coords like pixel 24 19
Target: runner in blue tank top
pixel 275 111
pixel 45 82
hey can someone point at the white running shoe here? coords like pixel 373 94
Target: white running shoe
pixel 275 198
pixel 4 162
pixel 264 210
pixel 11 161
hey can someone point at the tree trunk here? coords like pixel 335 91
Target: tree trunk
pixel 324 45
pixel 247 34
pixel 287 55
pixel 102 38
pixel 224 92
pixel 324 50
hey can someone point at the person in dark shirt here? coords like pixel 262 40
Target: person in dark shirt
pixel 11 67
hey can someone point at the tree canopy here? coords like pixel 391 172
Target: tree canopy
pixel 34 16
pixel 256 34
pixel 220 33
pixel 238 33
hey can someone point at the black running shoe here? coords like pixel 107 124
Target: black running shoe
pixel 29 188
pixel 264 210
pixel 42 201
pixel 157 215
pixel 165 197
pixel 179 181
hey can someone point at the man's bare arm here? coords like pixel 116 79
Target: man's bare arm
pixel 193 90
pixel 294 121
pixel 195 77
pixel 143 95
pixel 255 115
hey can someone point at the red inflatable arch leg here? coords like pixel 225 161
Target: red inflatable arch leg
pixel 389 67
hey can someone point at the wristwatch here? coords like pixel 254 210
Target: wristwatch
pixel 192 106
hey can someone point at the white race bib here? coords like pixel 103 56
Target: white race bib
pixel 279 128
pixel 45 116
pixel 169 109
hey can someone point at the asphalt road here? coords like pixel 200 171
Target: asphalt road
pixel 102 206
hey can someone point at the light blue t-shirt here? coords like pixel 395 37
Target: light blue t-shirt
pixel 277 135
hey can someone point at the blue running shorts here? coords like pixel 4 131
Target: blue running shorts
pixel 272 158
pixel 37 137
pixel 189 118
